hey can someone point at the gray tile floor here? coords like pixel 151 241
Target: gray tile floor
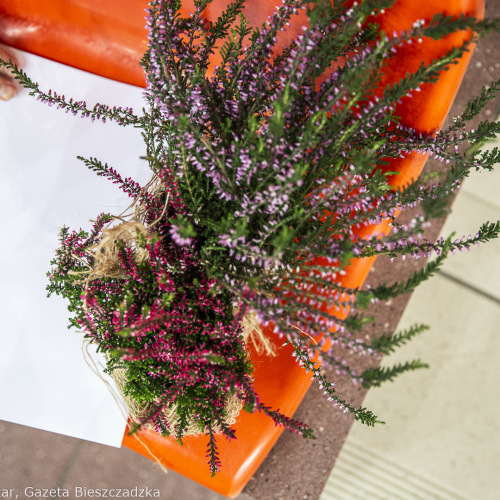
pixel 40 459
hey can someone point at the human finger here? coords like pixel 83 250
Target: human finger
pixel 7 89
pixel 7 55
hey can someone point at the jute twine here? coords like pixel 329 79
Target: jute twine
pixel 91 363
pixel 252 332
pixel 106 253
pixel 107 263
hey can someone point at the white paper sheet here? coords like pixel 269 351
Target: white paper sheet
pixel 44 381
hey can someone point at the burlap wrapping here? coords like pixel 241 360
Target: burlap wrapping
pixel 106 253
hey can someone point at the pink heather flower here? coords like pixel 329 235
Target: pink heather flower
pixel 177 238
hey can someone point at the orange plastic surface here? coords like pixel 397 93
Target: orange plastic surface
pixel 107 37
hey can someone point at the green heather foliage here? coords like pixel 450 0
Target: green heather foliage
pixel 257 171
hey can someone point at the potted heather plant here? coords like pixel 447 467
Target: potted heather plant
pixel 278 169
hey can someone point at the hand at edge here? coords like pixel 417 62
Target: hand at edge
pixel 8 88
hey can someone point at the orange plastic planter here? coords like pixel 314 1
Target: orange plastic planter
pixel 108 38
